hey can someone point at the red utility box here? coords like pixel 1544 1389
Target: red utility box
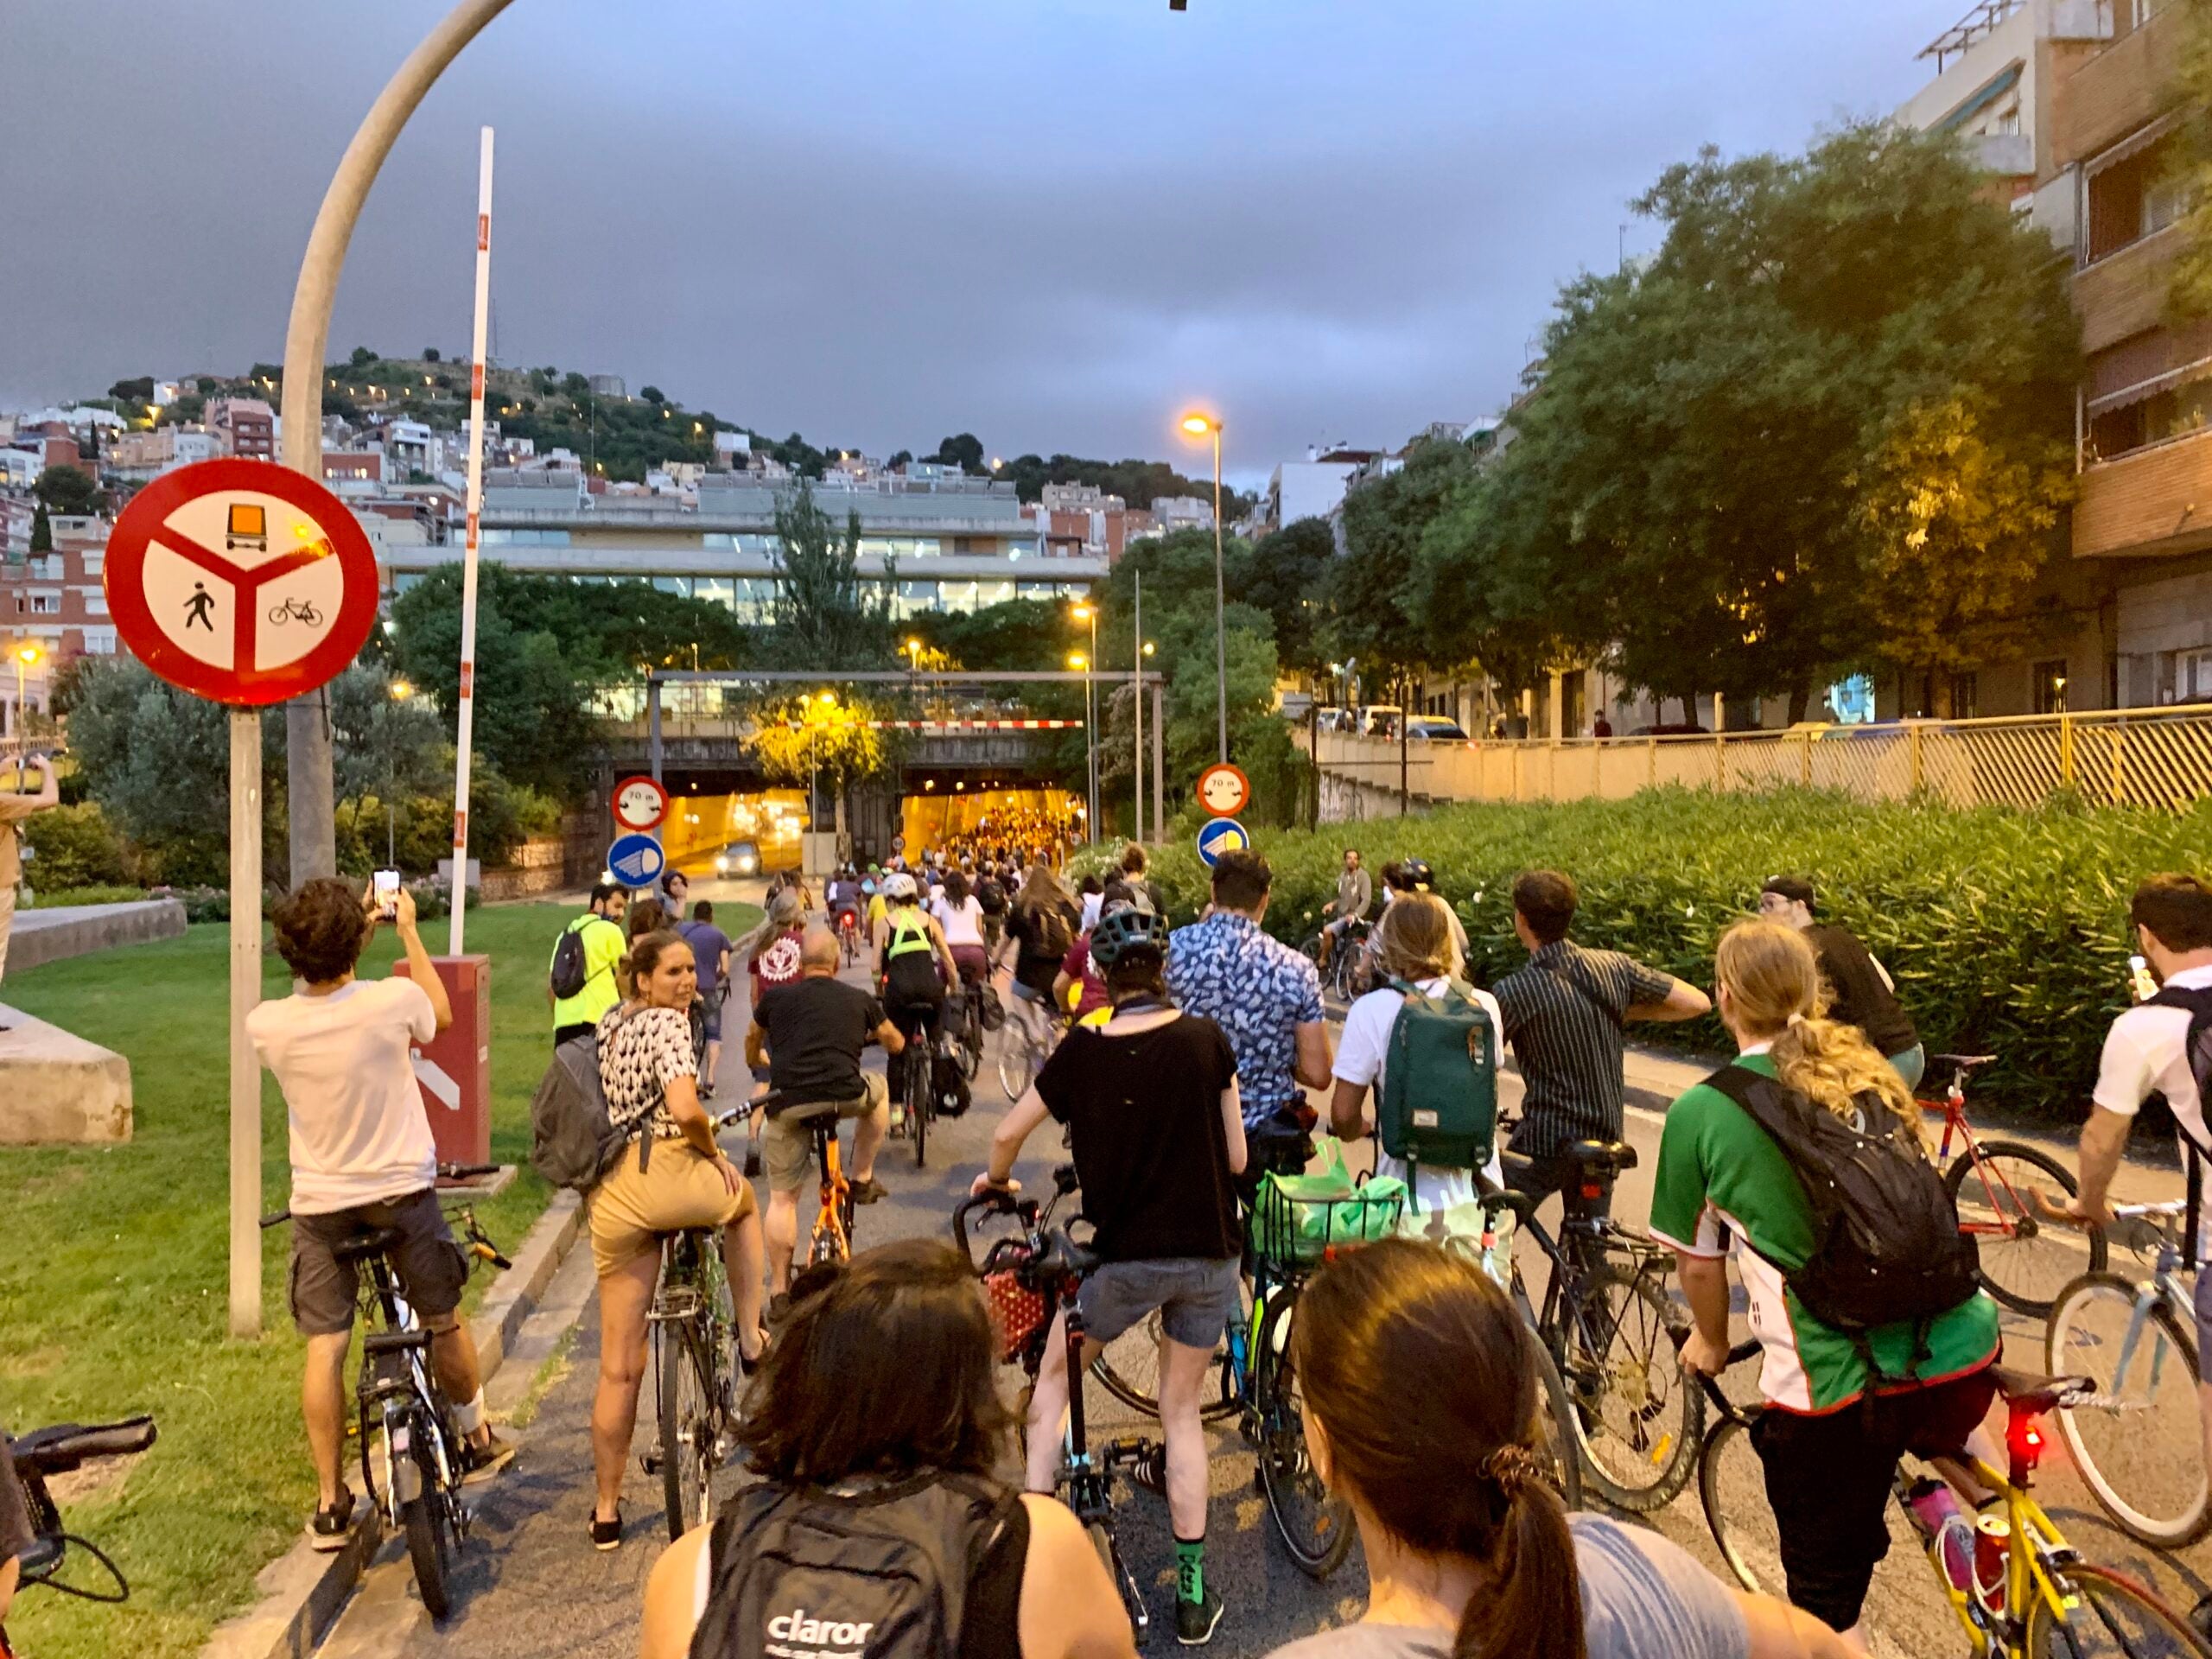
pixel 455 1067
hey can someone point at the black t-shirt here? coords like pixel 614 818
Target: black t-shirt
pixel 817 1029
pixel 1144 1115
pixel 1045 934
pixel 1860 997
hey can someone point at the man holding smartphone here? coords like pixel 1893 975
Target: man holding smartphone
pixel 16 805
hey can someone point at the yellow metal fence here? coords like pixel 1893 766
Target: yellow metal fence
pixel 2158 758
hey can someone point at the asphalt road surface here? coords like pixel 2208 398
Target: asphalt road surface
pixel 531 1587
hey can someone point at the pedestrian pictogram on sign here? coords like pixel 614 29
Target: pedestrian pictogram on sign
pixel 240 581
pixel 1223 790
pixel 640 804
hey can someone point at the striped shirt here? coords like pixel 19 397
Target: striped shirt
pixel 1563 1015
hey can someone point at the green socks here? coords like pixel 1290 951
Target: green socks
pixel 1190 1570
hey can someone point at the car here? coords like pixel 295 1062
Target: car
pixel 1381 719
pixel 739 858
pixel 1678 729
pixel 1434 728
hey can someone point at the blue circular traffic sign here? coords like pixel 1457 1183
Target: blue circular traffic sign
pixel 1222 835
pixel 636 860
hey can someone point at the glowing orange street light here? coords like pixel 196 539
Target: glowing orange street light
pixel 1199 425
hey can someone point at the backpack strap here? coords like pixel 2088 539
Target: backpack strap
pixel 2197 1004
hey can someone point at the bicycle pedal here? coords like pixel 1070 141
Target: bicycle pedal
pixel 650 1462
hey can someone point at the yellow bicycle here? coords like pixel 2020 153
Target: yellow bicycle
pixel 2019 1589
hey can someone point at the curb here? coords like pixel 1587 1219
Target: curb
pixel 302 1591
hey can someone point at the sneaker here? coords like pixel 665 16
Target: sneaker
pixel 606 1535
pixel 1195 1620
pixel 330 1528
pixel 869 1191
pixel 479 1463
pixel 1149 1472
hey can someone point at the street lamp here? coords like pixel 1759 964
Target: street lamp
pixel 26 657
pixel 1085 611
pixel 1200 426
pixel 401 690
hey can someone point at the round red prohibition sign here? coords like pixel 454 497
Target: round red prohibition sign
pixel 241 581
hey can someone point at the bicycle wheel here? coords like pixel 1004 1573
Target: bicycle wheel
pixel 429 1529
pixel 1555 1413
pixel 1129 1370
pixel 2025 1261
pixel 2139 1446
pixel 1637 1419
pixel 1109 1557
pixel 687 1426
pixel 2114 1616
pixel 1732 1487
pixel 1315 1528
pixel 919 1101
pixel 1017 1059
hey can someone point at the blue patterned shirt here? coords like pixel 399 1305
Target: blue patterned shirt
pixel 1259 991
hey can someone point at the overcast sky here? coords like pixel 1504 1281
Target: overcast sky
pixel 1051 222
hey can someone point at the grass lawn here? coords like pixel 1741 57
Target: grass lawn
pixel 113 1275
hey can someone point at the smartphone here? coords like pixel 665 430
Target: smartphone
pixel 2140 981
pixel 387 895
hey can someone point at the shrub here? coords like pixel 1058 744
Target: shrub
pixel 73 847
pixel 2006 931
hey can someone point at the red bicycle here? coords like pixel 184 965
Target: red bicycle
pixel 849 935
pixel 1997 1186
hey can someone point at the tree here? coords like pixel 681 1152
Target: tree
pixel 826 617
pixel 1287 576
pixel 140 391
pixel 430 355
pixel 68 491
pixel 41 529
pixel 899 460
pixel 1840 393
pixel 1371 586
pixel 652 394
pixel 1014 635
pixel 965 452
pixel 362 357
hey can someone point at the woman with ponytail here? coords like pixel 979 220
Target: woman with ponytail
pixel 1470 1554
pixel 1725 1187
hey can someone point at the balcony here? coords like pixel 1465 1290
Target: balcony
pixel 2154 502
pixel 2124 293
pixel 2119 91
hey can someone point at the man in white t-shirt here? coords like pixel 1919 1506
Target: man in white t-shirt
pixel 1415 942
pixel 362 1159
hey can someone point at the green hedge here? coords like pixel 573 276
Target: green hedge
pixel 2006 931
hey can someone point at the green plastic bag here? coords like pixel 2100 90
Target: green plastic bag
pixel 1296 1218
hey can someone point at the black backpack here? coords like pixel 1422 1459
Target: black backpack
pixel 2197 1004
pixel 990 894
pixel 573 1142
pixel 1887 1247
pixel 569 975
pixel 883 1576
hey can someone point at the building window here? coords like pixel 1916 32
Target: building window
pixel 95 562
pixel 99 642
pixel 2132 199
pixel 1965 698
pixel 46 604
pixel 95 602
pixel 2177 411
pixel 2050 682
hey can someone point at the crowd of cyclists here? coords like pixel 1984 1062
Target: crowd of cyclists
pixel 873 1415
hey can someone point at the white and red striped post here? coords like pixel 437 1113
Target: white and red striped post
pixel 466 731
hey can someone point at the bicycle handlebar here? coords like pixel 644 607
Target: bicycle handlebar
pixel 996 1201
pixel 466 1172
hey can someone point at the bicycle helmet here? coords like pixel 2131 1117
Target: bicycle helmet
pixel 1131 927
pixel 1414 875
pixel 898 886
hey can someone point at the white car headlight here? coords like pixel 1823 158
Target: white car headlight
pixel 722 864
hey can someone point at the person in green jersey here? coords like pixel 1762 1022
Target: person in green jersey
pixel 1724 1188
pixel 604 942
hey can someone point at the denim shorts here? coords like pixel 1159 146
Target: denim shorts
pixel 1195 1297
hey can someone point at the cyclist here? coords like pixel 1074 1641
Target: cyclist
pixel 1149 1102
pixel 1860 991
pixel 1267 998
pixel 816 1029
pixel 601 926
pixel 676 1178
pixel 1564 1013
pixel 1415 949
pixel 1080 985
pixel 896 1453
pixel 1042 922
pixel 991 897
pixel 771 954
pixel 1355 892
pixel 913 973
pixel 1414 876
pixel 362 1158
pixel 845 899
pixel 1134 865
pixel 1468 1549
pixel 710 952
pixel 959 916
pixel 1828 1469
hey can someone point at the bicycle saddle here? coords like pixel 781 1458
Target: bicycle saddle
pixel 58 1450
pixel 812 1111
pixel 1610 1156
pixel 2025 1391
pixel 365 1245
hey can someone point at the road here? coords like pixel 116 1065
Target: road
pixel 531 1587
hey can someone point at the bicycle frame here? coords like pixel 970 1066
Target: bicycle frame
pixel 830 1216
pixel 399 1396
pixel 1953 1107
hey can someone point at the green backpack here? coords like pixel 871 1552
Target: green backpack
pixel 1440 1083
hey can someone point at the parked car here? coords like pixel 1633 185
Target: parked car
pixel 739 858
pixel 1435 728
pixel 1381 719
pixel 1677 729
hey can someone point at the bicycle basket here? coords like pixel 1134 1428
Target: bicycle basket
pixel 1298 1219
pixel 1018 1311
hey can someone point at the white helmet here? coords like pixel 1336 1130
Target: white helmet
pixel 899 886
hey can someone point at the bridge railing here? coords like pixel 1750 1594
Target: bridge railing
pixel 2152 757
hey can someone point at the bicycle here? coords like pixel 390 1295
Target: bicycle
pixel 2138 1440
pixel 915 1105
pixel 1608 1327
pixel 849 935
pixel 421 1448
pixel 965 1011
pixel 693 1325
pixel 60 1450
pixel 1022 1056
pixel 831 1239
pixel 297 610
pixel 1992 1184
pixel 1340 975
pixel 2014 1602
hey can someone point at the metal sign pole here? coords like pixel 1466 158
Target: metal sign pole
pixel 466 732
pixel 1136 705
pixel 245 993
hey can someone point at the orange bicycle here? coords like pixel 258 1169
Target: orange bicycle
pixel 831 1239
pixel 1996 1185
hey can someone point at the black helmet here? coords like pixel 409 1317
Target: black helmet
pixel 1129 928
pixel 1414 875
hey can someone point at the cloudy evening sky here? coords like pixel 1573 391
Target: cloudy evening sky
pixel 1051 222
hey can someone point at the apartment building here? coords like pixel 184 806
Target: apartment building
pixel 1312 488
pixel 244 426
pixel 1082 521
pixel 54 600
pixel 140 457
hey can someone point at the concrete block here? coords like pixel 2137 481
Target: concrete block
pixel 43 936
pixel 55 1087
